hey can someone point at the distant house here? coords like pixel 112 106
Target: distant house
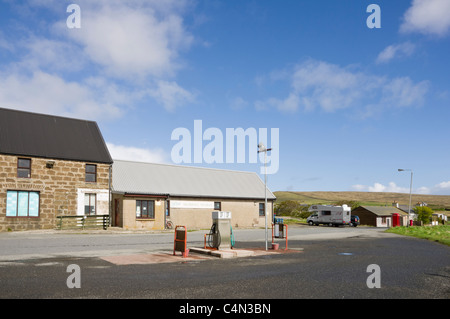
pixel 440 216
pixel 379 216
pixel 145 195
pixel 50 166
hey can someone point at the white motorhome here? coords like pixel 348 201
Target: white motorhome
pixel 329 215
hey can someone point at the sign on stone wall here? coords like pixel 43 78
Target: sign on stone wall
pixel 24 186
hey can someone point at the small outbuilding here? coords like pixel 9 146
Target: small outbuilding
pixel 147 195
pixel 380 216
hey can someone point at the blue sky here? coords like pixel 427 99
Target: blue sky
pixel 352 104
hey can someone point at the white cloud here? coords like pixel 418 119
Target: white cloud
pixel 132 39
pixel 329 87
pixel 378 187
pixel 427 17
pixel 395 51
pixel 359 188
pixel 288 105
pixel 139 41
pixel 403 92
pixel 4 43
pixel 171 95
pixel 47 93
pixel 50 54
pixel 423 190
pixel 442 188
pixel 129 153
pixel 444 185
pixel 390 188
pixel 123 52
pixel 238 103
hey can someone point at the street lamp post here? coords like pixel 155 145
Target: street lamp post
pixel 410 187
pixel 262 148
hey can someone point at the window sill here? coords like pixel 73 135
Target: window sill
pixel 32 217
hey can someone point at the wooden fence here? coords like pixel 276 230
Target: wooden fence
pixel 83 222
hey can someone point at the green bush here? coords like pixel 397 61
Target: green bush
pixel 424 214
pixel 291 208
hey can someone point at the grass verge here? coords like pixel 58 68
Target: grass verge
pixel 440 234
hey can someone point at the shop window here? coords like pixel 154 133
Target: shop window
pixel 145 209
pixel 24 168
pixel 22 204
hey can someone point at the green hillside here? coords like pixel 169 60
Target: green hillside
pixel 437 202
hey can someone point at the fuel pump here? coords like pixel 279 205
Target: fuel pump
pixel 219 236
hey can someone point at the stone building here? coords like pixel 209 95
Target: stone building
pixel 50 166
pixel 146 195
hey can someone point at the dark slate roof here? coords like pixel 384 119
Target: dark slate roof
pixel 39 135
pixel 384 210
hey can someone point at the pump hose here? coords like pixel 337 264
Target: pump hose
pixel 231 237
pixel 214 234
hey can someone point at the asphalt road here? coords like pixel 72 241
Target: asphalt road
pixel 324 263
pixel 54 243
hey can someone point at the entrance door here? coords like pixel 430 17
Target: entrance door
pixel 116 212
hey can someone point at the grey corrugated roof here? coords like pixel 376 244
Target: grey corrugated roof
pixel 175 180
pixel 39 135
pixel 384 210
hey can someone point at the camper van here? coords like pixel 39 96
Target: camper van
pixel 329 215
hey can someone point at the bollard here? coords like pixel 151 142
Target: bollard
pixel 281 233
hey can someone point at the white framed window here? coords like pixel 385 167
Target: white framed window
pixel 90 204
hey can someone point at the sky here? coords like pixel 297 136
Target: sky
pixel 343 92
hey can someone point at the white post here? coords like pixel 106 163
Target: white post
pixel 262 148
pixel 410 192
pixel 410 188
pixel 265 192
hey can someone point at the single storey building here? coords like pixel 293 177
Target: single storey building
pixel 379 216
pixel 50 166
pixel 146 195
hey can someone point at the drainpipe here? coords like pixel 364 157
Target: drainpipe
pixel 109 195
pixel 165 209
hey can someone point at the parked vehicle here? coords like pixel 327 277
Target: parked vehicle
pixel 329 215
pixel 354 221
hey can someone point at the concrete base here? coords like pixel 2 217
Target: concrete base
pixel 233 253
pixel 224 253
